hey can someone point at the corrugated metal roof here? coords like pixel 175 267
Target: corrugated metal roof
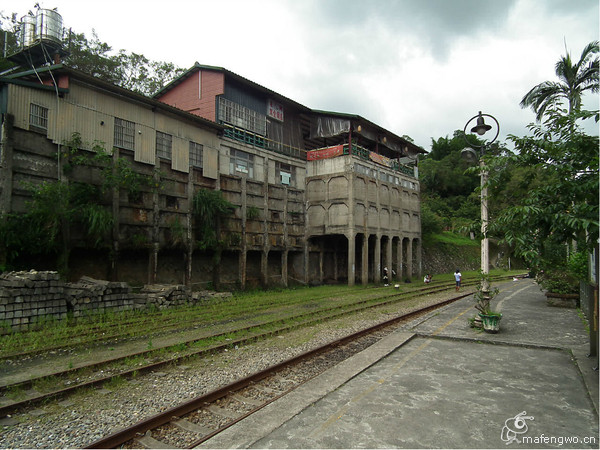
pixel 198 67
pixel 30 76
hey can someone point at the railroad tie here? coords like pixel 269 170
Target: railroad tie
pixel 282 380
pixel 192 427
pixel 147 441
pixel 223 412
pixel 246 400
pixel 267 390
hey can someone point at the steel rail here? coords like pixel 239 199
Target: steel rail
pixel 122 436
pixel 13 407
pixel 151 315
pixel 346 309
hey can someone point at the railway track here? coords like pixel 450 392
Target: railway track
pixel 68 381
pixel 93 333
pixel 193 422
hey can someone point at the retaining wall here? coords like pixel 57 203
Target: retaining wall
pixel 29 298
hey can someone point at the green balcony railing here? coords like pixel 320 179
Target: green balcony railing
pixel 258 141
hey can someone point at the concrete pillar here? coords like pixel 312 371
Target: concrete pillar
pixel 351 236
pixel 286 237
pixel 377 260
pixel 243 257
pixel 409 259
pixel 388 257
pixel 189 237
pixel 264 267
pixel 242 265
pixel 305 255
pixel 284 267
pixel 419 256
pixel 6 164
pixel 321 260
pixel 153 260
pixel 399 262
pixel 365 260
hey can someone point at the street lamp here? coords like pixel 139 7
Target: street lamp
pixel 471 155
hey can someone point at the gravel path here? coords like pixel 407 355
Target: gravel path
pixel 88 416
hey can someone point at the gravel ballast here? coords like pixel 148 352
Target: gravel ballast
pixel 87 416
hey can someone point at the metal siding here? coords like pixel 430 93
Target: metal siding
pixel 180 154
pixel 92 114
pixel 94 127
pixel 210 158
pixel 19 99
pixel 145 144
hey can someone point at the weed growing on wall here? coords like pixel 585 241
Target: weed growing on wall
pixel 58 207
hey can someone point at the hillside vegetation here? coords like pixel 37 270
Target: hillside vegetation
pixel 445 252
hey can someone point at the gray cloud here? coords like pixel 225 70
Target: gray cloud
pixel 433 23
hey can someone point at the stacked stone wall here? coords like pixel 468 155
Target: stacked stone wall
pixel 27 299
pixel 89 295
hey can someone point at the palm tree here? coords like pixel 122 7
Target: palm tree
pixel 574 81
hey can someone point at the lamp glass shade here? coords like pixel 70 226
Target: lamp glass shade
pixel 468 154
pixel 481 128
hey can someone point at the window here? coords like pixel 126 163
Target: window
pixel 242 117
pixel 124 134
pixel 195 154
pixel 38 116
pixel 241 163
pixel 172 202
pixel 164 145
pixel 284 174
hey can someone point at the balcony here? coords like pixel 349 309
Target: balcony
pixel 261 142
pixel 389 164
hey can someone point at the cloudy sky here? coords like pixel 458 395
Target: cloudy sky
pixel 420 68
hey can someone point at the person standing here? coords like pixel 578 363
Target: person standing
pixel 457 278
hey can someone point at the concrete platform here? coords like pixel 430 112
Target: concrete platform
pixel 438 383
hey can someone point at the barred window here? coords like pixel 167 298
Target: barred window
pixel 38 116
pixel 242 117
pixel 241 162
pixel 164 145
pixel 195 154
pixel 124 134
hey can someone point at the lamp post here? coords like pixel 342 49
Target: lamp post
pixel 471 155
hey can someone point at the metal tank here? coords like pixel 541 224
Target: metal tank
pixel 26 36
pixel 48 26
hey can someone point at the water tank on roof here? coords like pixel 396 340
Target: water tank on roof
pixel 48 26
pixel 26 36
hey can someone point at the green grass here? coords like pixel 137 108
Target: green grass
pixel 249 308
pixel 447 237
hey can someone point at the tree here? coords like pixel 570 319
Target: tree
pixel 129 70
pixel 575 79
pixel 93 58
pixel 449 188
pixel 562 207
pixel 138 73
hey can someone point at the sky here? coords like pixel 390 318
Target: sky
pixel 420 68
